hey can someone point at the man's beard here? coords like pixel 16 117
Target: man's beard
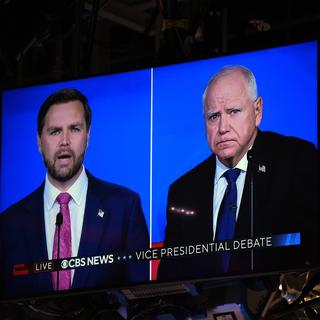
pixel 64 174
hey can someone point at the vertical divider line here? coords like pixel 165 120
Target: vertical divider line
pixel 251 213
pixel 151 159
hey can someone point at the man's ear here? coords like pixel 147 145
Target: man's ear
pixel 88 137
pixel 258 106
pixel 39 143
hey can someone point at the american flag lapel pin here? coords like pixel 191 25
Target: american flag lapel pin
pixel 262 168
pixel 100 213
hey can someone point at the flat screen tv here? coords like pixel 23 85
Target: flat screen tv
pixel 147 131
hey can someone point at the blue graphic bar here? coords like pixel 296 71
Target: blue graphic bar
pixel 287 239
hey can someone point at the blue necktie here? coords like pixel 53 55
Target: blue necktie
pixel 227 214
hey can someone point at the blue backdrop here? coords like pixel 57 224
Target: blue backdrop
pixel 119 145
pixel 286 79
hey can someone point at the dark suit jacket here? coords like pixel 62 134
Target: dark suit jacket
pixel 122 229
pixel 285 201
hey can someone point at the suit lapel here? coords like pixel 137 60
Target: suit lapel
pixel 207 194
pixel 259 168
pixel 250 220
pixel 200 197
pixel 94 226
pixel 36 242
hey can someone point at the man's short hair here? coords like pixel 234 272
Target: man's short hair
pixel 247 73
pixel 64 96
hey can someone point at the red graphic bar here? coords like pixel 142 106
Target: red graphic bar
pixel 21 269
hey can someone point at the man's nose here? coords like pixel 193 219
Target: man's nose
pixel 223 124
pixel 65 138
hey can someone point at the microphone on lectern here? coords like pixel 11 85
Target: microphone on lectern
pixel 59 221
pixel 250 172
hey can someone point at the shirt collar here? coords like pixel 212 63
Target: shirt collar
pixel 221 168
pixel 76 190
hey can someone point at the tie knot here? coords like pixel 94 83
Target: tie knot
pixel 232 175
pixel 63 198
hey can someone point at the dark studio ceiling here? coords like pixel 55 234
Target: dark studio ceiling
pixel 53 40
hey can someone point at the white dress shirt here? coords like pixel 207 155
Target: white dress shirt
pixel 78 192
pixel 220 186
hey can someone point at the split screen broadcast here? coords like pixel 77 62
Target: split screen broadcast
pixel 200 170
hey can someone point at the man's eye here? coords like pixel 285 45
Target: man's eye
pixel 234 111
pixel 54 132
pixel 75 129
pixel 212 116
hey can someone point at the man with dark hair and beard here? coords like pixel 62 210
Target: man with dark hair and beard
pixel 97 217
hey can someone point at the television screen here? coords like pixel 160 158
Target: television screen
pixel 144 206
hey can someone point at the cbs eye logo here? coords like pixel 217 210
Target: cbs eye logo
pixel 64 264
